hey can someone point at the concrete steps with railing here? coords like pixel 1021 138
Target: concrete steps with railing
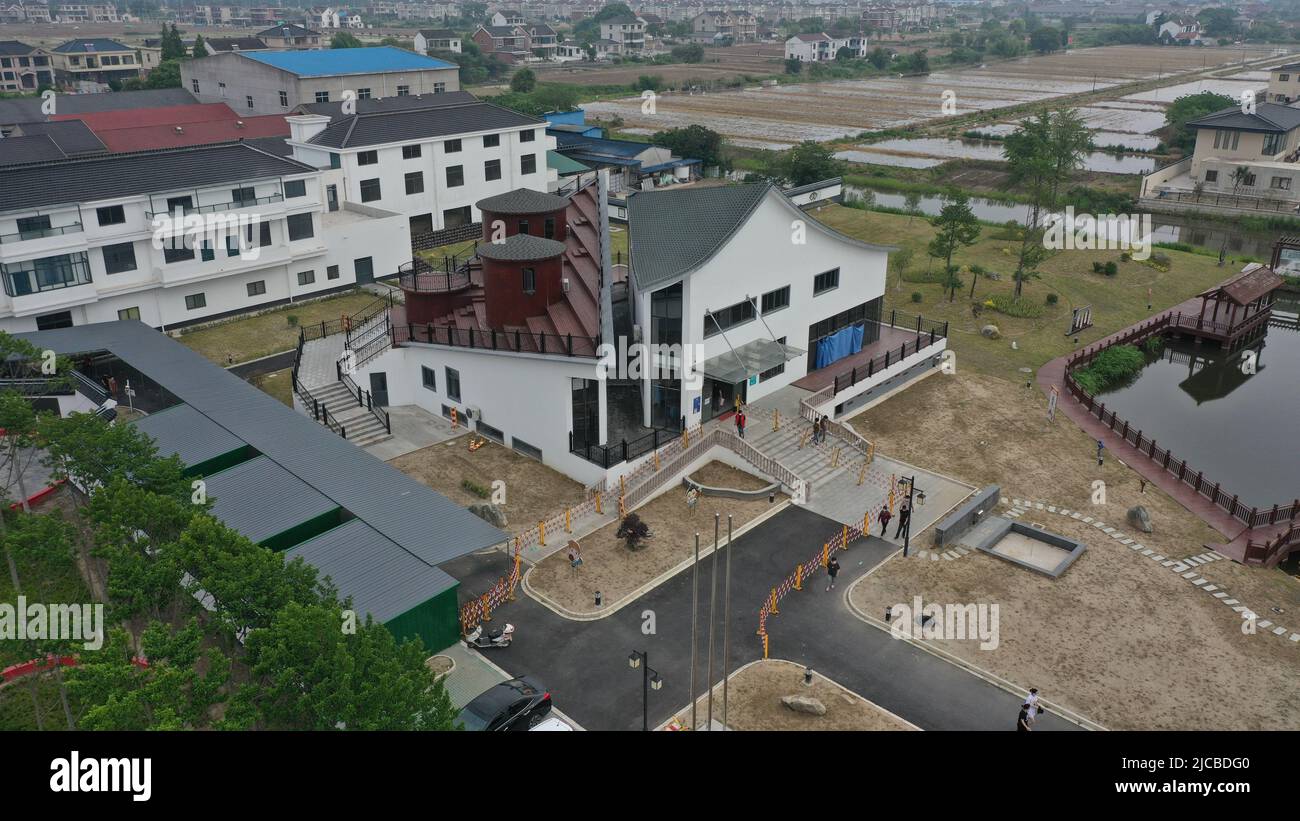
pixel 360 424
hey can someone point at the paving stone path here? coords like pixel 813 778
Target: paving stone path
pixel 1185 567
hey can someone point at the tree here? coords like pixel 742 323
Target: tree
pixel 200 49
pixel 309 674
pixel 523 81
pixel 1070 140
pixel 694 141
pixel 955 227
pixel 793 65
pixel 878 57
pixel 844 54
pixel 633 531
pixel 1187 108
pixel 807 162
pixel 166 74
pixel 172 46
pixel 688 53
pixel 345 40
pixel 1045 40
pixel 900 260
pixel 649 82
pixel 1031 166
pixel 918 62
pixel 1218 22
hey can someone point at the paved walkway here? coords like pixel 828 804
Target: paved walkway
pixel 584 664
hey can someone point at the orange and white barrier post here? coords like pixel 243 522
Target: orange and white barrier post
pixel 541 532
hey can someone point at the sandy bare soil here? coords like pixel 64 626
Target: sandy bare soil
pixel 754 702
pixel 1117 638
pixel 607 564
pixel 533 491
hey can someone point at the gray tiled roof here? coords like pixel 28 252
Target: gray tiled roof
pixel 235 43
pixel 28 109
pixel 671 233
pixel 521 247
pixel 522 201
pixel 382 579
pixel 90 45
pixel 425 524
pixel 38 185
pixel 19 150
pixel 334 110
pixel 13 47
pixel 260 499
pixel 401 126
pixel 71 136
pixel 1268 117
pixel 439 34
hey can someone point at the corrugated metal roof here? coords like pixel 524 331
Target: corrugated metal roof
pixel 382 579
pixel 28 109
pixel 188 434
pixel 260 499
pixel 437 120
pixel 424 523
pixel 331 62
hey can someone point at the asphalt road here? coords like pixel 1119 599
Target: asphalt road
pixel 585 664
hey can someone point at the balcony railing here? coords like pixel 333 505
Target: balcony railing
pixel 517 340
pixel 421 277
pixel 221 206
pixel 41 233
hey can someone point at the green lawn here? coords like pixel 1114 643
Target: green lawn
pixel 1117 302
pixel 272 332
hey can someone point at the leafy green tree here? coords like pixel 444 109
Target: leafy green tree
pixel 692 141
pixel 523 81
pixel 1218 22
pixel 918 62
pixel 200 49
pixel 648 82
pixel 900 261
pixel 174 684
pixel 878 57
pixel 166 74
pixel 955 227
pixel 807 162
pixel 1187 108
pixel 1045 40
pixel 344 39
pixel 1031 165
pixel 307 673
pixel 793 65
pixel 688 53
pixel 172 46
pixel 1070 141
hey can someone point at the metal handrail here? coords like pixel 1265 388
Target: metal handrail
pixel 41 233
pixel 221 206
pixel 517 340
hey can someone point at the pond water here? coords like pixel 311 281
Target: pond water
pixel 1241 429
pixel 927 152
pixel 1164 227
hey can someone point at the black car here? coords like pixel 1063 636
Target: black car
pixel 516 704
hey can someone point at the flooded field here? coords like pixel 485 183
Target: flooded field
pixel 776 118
pixel 928 152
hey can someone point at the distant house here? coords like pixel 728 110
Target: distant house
pixel 543 42
pixel 628 32
pixel 632 165
pixel 1170 29
pixel 94 60
pixel 427 40
pixel 292 36
pixel 737 26
pixel 508 17
pixel 508 43
pixel 1284 84
pixel 24 67
pixel 219 45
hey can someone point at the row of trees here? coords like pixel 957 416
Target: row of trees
pixel 271 648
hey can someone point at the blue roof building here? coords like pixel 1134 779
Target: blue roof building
pixel 277 82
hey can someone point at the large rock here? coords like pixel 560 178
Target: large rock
pixel 990 332
pixel 1139 518
pixel 804 704
pixel 489 513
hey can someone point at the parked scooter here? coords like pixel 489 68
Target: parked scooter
pixel 497 638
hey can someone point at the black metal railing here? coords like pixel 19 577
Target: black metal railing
pixel 608 455
pixel 317 408
pixel 422 277
pixel 928 333
pixel 517 340
pixel 364 398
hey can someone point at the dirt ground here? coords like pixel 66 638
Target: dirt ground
pixel 533 491
pixel 278 384
pixel 1117 638
pixel 754 702
pixel 607 564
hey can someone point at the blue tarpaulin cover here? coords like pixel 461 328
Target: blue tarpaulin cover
pixel 842 343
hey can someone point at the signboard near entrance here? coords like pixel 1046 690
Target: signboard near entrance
pixel 1082 319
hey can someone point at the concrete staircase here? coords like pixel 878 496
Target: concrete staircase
pixel 361 426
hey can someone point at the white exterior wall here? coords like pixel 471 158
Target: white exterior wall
pixel 523 395
pixel 760 258
pixel 158 289
pixel 433 161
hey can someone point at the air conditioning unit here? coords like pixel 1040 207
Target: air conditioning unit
pixel 564 283
pixel 474 413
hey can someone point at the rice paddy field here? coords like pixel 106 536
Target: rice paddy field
pixel 776 118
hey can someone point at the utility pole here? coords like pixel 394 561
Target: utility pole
pixel 713 615
pixel 726 624
pixel 695 609
pixel 907 528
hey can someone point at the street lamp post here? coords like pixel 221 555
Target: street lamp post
pixel 649 680
pixel 907 528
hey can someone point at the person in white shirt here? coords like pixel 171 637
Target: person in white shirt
pixel 1032 701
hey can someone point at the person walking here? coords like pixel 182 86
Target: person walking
pixel 823 428
pixel 904 517
pixel 740 424
pixel 832 570
pixel 692 499
pixel 1022 723
pixel 883 517
pixel 1031 702
pixel 817 430
pixel 1101 446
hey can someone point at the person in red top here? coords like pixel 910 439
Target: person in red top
pixel 740 424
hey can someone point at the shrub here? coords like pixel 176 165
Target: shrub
pixel 916 296
pixel 1125 257
pixel 1052 299
pixel 292 319
pixel 1097 267
pixel 633 531
pixel 1154 344
pixel 1111 367
pixel 475 488
pixel 1010 306
pixel 1112 268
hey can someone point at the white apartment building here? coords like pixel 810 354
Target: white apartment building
pixel 80 242
pixel 821 47
pixel 427 40
pixel 428 158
